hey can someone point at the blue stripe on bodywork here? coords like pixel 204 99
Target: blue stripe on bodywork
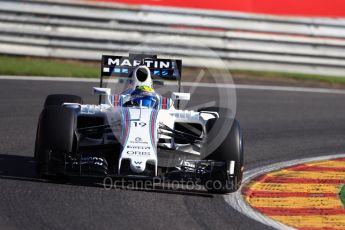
pixel 125 114
pixel 160 102
pixel 153 128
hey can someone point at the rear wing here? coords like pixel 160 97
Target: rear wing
pixel 122 67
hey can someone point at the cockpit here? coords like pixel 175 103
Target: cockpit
pixel 142 96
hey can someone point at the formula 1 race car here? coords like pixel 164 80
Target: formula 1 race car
pixel 139 133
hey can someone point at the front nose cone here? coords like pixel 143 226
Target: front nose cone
pixel 138 166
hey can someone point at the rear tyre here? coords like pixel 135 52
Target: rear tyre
pixel 59 99
pixel 54 138
pixel 226 177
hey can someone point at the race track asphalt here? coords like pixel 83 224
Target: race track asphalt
pixel 277 126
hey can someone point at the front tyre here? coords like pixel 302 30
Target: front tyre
pixel 59 99
pixel 54 138
pixel 227 159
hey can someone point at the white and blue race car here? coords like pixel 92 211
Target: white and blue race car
pixel 139 133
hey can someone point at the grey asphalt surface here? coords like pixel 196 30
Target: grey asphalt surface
pixel 277 126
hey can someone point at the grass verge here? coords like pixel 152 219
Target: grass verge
pixel 293 76
pixel 342 195
pixel 23 66
pixel 29 66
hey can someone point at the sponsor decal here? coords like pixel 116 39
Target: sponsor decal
pixel 117 65
pixel 139 147
pixel 150 63
pixel 137 153
pixel 92 160
pixel 187 164
pixel 138 140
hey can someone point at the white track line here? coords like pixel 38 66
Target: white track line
pixel 236 200
pixel 189 84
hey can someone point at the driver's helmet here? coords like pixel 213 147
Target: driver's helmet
pixel 146 101
pixel 144 96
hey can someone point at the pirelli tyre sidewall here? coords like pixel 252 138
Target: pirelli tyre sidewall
pixel 230 149
pixel 55 134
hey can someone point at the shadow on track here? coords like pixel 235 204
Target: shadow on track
pixel 22 168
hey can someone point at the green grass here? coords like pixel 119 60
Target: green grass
pixel 292 76
pixel 10 65
pixel 29 66
pixel 342 195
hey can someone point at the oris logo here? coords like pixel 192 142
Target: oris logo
pixel 138 153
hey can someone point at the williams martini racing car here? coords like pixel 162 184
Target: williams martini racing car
pixel 139 133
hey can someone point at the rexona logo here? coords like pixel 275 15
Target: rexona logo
pixel 157 64
pixel 139 147
pixel 137 153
